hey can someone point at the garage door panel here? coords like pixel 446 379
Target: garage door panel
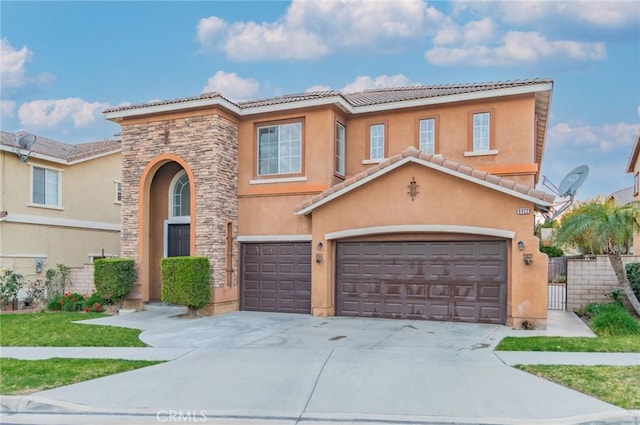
pixel 276 277
pixel 459 281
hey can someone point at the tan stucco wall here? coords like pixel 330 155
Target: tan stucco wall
pixel 88 200
pixel 443 200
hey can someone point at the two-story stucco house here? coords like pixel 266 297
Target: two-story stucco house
pixel 413 202
pixel 634 167
pixel 59 203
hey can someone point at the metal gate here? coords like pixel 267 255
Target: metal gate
pixel 557 289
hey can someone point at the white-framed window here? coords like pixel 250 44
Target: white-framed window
pixel 340 149
pixel 376 141
pixel 46 187
pixel 481 131
pixel 280 149
pixel 180 196
pixel 428 135
pixel 118 192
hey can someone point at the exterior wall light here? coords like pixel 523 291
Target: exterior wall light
pixel 528 259
pixel 520 245
pixel 319 246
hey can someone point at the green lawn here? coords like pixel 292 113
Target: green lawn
pixel 603 344
pixel 619 385
pixel 27 376
pixel 55 329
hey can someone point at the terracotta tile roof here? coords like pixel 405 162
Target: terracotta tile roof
pixel 63 151
pixel 474 174
pixel 364 98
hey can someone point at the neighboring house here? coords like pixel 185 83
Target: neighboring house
pixel 634 167
pixel 413 202
pixel 623 196
pixel 59 203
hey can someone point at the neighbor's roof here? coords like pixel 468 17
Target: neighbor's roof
pixel 65 153
pixel 541 199
pixel 622 196
pixel 634 155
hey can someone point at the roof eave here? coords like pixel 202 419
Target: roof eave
pixel 634 155
pixel 171 107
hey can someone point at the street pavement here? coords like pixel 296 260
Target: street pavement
pixel 268 368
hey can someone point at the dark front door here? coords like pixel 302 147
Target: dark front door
pixel 448 281
pixel 276 277
pixel 178 240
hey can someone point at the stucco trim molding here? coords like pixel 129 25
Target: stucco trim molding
pixel 275 238
pixel 61 222
pixel 23 255
pixel 420 228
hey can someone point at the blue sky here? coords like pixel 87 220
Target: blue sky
pixel 62 63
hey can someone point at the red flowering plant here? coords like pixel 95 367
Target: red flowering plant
pixel 72 301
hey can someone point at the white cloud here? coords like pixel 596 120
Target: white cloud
pixel 7 108
pixel 13 67
pixel 601 138
pixel 317 88
pixel 12 72
pixel 312 29
pixel 602 14
pixel 362 83
pixel 51 113
pixel 515 48
pixel 231 86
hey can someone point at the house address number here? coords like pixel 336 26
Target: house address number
pixel 523 211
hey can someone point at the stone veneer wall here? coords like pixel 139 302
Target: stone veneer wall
pixel 208 144
pixel 591 279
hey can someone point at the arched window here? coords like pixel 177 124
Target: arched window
pixel 180 195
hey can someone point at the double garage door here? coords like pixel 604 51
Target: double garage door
pixel 449 281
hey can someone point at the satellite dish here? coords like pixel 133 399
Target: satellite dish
pixel 568 188
pixel 25 141
pixel 572 182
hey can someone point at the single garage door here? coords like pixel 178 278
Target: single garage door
pixel 449 281
pixel 276 277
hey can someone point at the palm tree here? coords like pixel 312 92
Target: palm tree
pixel 603 227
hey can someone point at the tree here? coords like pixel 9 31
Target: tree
pixel 602 227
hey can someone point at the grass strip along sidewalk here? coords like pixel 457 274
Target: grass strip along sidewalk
pixel 28 376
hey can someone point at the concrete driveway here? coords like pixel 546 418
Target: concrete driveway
pixel 285 368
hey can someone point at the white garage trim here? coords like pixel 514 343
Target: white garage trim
pixel 420 228
pixel 275 238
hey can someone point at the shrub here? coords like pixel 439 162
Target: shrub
pixel 185 281
pixel 10 284
pixel 35 291
pixel 114 278
pixel 551 251
pixel 593 309
pixel 95 303
pixel 633 274
pixel 56 280
pixel 67 302
pixel 615 320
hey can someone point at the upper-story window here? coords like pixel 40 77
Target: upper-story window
pixel 481 131
pixel 428 135
pixel 280 149
pixel 376 141
pixel 180 192
pixel 46 187
pixel 340 149
pixel 118 192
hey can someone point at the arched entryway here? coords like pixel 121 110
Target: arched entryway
pixel 168 217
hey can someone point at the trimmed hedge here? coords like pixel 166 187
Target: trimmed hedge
pixel 186 281
pixel 551 251
pixel 633 274
pixel 114 278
